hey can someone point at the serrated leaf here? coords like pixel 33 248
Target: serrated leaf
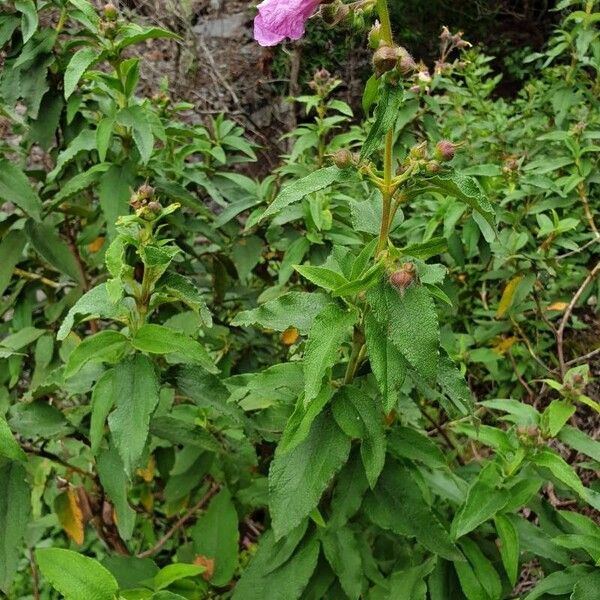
pixel 47 243
pixel 294 192
pixel 75 576
pixel 559 582
pixel 321 276
pixel 102 403
pixel 508 547
pixel 328 332
pixel 157 339
pixel 287 582
pixel 295 309
pixel 15 506
pixel 484 500
pixel 463 188
pixel 398 505
pixel 135 393
pixel 298 478
pixel 94 303
pixel 116 486
pixel 340 547
pixel 544 457
pixel 555 417
pixel 482 568
pixel 78 65
pixel 587 587
pixel 105 346
pixel 580 441
pixel 215 536
pixel 386 114
pixel 11 250
pixel 9 447
pixel 29 18
pixel 367 417
pixel 410 322
pixel 15 188
pixel 387 363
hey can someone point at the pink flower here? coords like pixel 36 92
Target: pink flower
pixel 280 19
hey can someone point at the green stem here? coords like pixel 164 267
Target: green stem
pixel 384 18
pixel 386 33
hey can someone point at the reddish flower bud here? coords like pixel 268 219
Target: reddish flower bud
pixel 385 59
pixel 433 166
pixel 445 150
pixel 404 277
pixel 110 12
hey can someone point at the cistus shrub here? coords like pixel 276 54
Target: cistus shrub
pixel 369 375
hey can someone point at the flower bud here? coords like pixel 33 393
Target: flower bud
pixel 433 166
pixel 404 277
pixel 375 36
pixel 110 12
pixel 385 59
pixel 145 191
pixel 419 151
pixel 406 64
pixel 342 159
pixel 444 150
pixel 334 12
pixel 154 206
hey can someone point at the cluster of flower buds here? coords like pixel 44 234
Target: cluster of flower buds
pixel 108 25
pixel 334 12
pixel 403 277
pixel 323 83
pixel 448 43
pixel 144 202
pixel 393 58
pixel 443 152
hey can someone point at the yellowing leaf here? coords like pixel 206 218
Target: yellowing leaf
pixel 208 564
pixel 505 344
pixel 507 296
pixel 147 473
pixel 147 499
pixel 96 244
pixel 70 516
pixel 560 306
pixel 290 336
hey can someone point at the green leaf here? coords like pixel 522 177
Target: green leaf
pixel 295 309
pixel 555 417
pixel 137 120
pixel 183 289
pixel 340 547
pixel 260 581
pixel 215 536
pixel 406 442
pixel 79 182
pixel 410 322
pixel 359 409
pixel 386 114
pixel 544 457
pixel 48 244
pixel 397 504
pixel 15 188
pixel 132 33
pixel 102 403
pixel 104 132
pixel 328 332
pixel 180 431
pixel 463 188
pixel 409 584
pixel 29 18
pixel 580 441
pixel 78 65
pixel 9 447
pixel 315 181
pixel 157 339
pixel 587 587
pixel 425 250
pixel 321 276
pixel 387 363
pixel 453 384
pixel 11 251
pixel 298 478
pixel 114 191
pixel 135 393
pixel 482 568
pixel 15 505
pixel 114 482
pixel 508 546
pixel 175 572
pixel 105 346
pixel 484 500
pixel 75 576
pixel 92 304
pixel 559 582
